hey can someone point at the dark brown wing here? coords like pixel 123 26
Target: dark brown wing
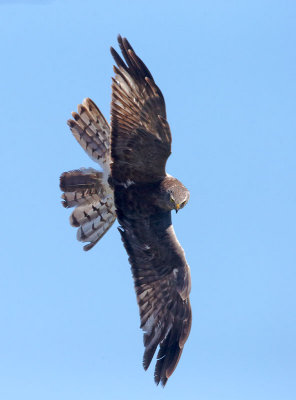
pixel 162 283
pixel 141 137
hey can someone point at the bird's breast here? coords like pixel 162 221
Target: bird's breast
pixel 138 200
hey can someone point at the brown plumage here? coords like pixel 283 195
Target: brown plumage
pixel 143 195
pixel 87 189
pixel 95 211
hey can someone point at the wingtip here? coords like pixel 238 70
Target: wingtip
pixel 118 60
pixel 164 382
pixel 160 380
pixel 127 44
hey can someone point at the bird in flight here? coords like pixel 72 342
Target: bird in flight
pixel 135 189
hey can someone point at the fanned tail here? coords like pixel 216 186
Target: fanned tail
pixel 92 197
pixel 92 132
pixel 87 189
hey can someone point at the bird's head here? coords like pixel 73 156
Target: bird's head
pixel 179 197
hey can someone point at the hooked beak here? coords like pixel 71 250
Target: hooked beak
pixel 177 208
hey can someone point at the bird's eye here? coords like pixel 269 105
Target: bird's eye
pixel 183 204
pixel 172 200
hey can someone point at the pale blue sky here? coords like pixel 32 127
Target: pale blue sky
pixel 69 319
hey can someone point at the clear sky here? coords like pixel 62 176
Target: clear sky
pixel 69 325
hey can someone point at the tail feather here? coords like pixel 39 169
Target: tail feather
pixel 80 179
pixel 92 132
pixel 87 189
pixel 72 199
pixel 93 232
pixel 93 197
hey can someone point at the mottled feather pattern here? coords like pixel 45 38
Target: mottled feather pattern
pixel 87 189
pixel 93 198
pixel 135 188
pixel 92 132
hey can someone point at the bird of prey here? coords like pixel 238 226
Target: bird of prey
pixel 135 188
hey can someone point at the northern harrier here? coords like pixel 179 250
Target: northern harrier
pixel 135 188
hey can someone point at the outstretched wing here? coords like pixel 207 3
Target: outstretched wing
pixel 162 283
pixel 141 144
pixel 141 137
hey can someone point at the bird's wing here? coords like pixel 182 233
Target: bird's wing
pixel 162 282
pixel 141 137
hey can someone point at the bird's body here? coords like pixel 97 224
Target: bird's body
pixel 135 188
pixel 142 200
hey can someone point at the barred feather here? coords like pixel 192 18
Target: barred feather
pixel 95 212
pixel 92 132
pixel 87 189
pixel 141 145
